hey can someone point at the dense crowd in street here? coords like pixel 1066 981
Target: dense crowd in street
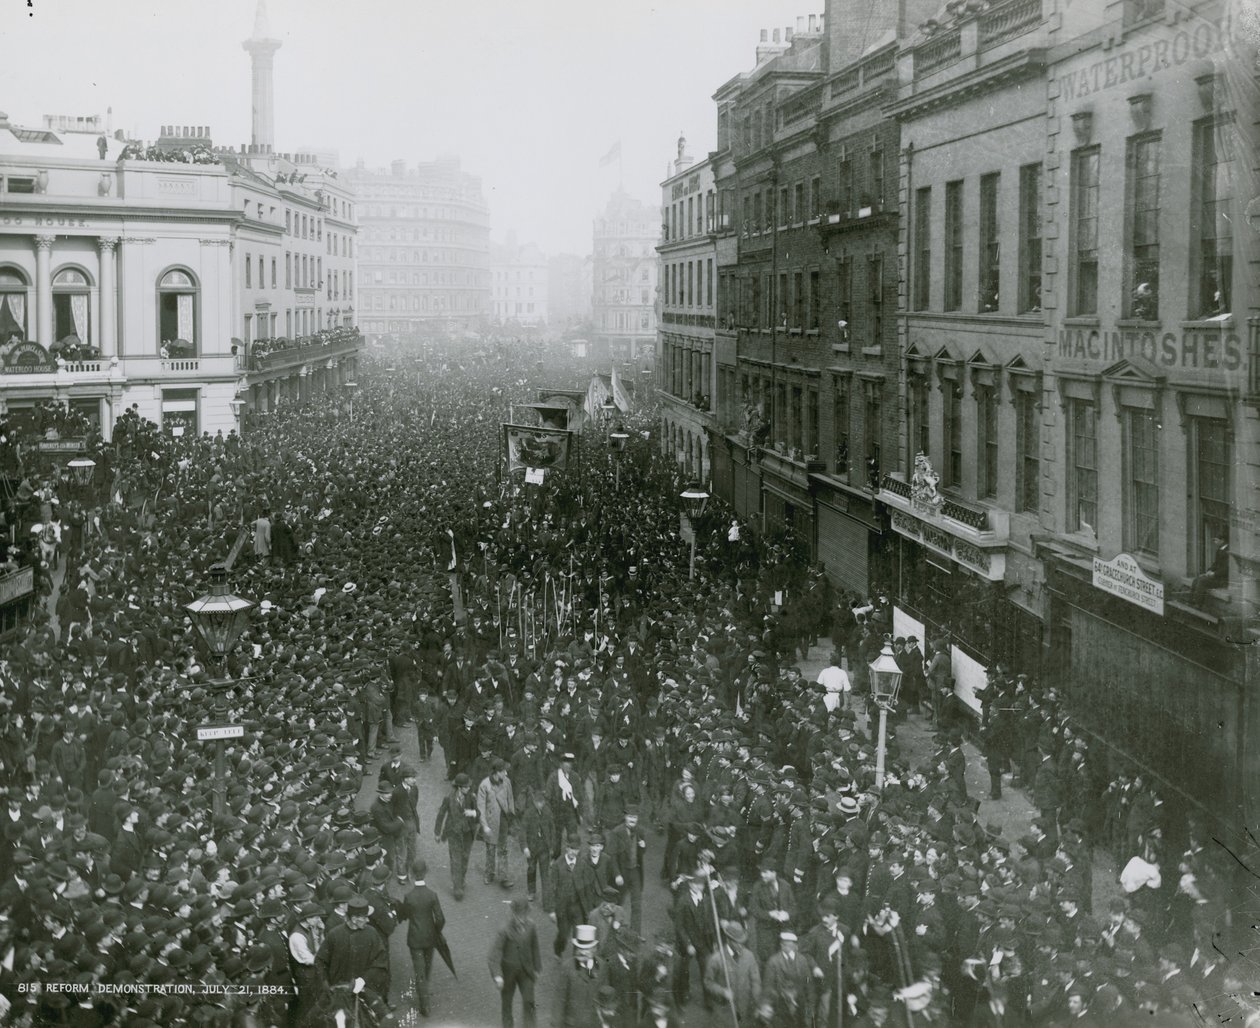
pixel 589 703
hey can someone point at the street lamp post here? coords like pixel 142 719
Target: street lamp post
pixel 885 683
pixel 219 618
pixel 351 387
pixel 82 469
pixel 695 496
pixel 617 440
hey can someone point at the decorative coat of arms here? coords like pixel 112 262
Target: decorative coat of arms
pixel 925 493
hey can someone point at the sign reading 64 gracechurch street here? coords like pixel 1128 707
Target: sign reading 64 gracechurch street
pixel 1122 576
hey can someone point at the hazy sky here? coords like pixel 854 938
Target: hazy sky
pixel 529 93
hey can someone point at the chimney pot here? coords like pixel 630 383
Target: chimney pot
pixel 765 36
pixel 800 24
pixel 813 23
pixel 787 33
pixel 775 37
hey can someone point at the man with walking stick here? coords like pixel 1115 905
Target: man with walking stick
pixel 733 976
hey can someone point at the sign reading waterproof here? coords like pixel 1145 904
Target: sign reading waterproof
pixel 1122 576
pixel 529 447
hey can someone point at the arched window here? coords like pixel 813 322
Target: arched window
pixel 70 306
pixel 177 313
pixel 13 287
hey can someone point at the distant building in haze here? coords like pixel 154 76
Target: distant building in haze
pixel 424 258
pixel 623 292
pixel 518 283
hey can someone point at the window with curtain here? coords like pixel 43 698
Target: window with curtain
pixel 70 305
pixel 1144 208
pixel 177 313
pixel 840 424
pixel 953 245
pixel 1214 173
pixel 12 304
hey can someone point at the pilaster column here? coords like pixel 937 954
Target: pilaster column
pixel 109 297
pixel 43 291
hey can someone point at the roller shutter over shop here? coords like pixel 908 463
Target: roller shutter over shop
pixel 843 547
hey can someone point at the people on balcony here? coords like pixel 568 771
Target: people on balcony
pixel 262 348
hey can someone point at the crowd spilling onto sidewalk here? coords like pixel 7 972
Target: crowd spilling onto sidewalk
pixel 549 646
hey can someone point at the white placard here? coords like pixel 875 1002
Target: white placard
pixel 209 733
pixel 534 476
pixel 1123 576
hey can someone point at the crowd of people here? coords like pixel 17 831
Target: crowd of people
pixel 264 347
pixel 599 717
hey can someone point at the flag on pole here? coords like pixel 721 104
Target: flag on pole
pixel 613 154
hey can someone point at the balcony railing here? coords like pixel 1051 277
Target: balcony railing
pixel 938 52
pixel 83 367
pixel 897 486
pixel 181 365
pixel 1008 20
pixel 966 514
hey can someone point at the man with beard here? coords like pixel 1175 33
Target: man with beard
pixel 354 960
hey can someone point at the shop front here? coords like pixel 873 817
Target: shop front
pixel 789 503
pixel 852 541
pixel 950 563
pixel 1153 680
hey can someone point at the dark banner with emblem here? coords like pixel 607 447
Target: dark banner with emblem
pixel 530 447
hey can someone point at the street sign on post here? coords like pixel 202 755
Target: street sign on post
pixel 211 733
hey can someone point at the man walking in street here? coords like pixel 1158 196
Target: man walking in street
pixel 515 963
pixel 456 824
pixel 422 910
pixel 496 807
pixel 626 847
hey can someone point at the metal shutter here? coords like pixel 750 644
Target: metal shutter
pixel 842 549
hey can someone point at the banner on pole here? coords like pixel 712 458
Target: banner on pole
pixel 540 448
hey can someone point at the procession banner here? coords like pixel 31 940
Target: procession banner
pixel 570 399
pixel 551 415
pixel 530 447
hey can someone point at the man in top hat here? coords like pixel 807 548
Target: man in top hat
pixel 421 909
pixel 353 959
pixel 577 991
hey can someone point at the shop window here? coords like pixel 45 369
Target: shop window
pixel 179 412
pixel 177 313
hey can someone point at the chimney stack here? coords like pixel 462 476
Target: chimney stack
pixel 775 36
pixel 765 36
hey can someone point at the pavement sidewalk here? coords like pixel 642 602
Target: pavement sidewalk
pixel 1013 813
